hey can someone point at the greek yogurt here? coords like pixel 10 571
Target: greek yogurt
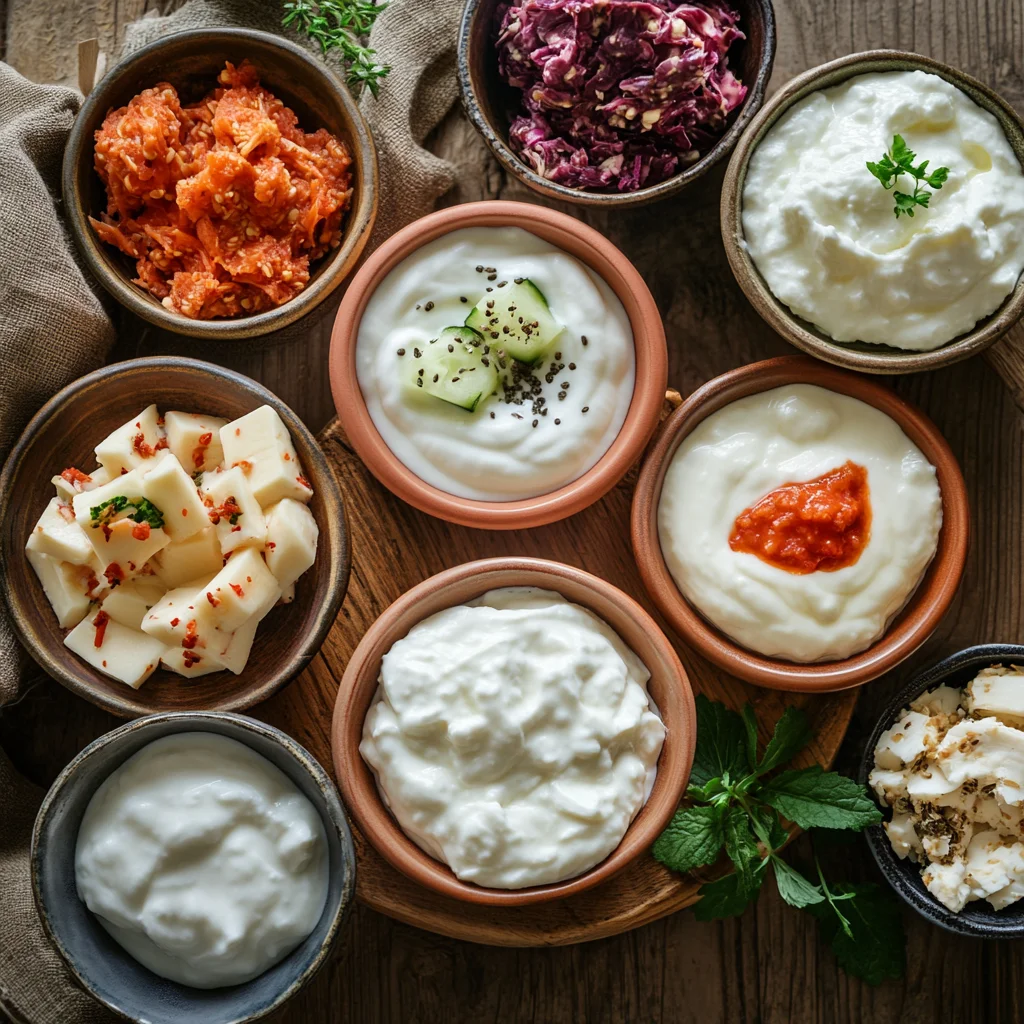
pixel 756 445
pixel 203 860
pixel 822 231
pixel 513 738
pixel 557 421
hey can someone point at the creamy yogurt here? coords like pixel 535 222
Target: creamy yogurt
pixel 203 860
pixel 500 451
pixel 757 444
pixel 513 738
pixel 821 228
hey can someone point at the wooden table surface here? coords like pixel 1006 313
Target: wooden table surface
pixel 767 965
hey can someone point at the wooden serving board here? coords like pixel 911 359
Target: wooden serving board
pixel 394 547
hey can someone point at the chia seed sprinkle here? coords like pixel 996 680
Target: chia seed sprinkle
pixel 429 306
pixel 586 408
pixel 492 415
pixel 534 423
pixel 417 353
pixel 518 280
pixel 401 351
pixel 572 366
pixel 479 270
pixel 492 277
pixel 565 385
pixel 583 338
pixel 462 298
pixel 501 284
pixel 557 422
pixel 491 270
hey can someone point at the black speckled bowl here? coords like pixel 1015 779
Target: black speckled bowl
pixel 100 965
pixel 977 919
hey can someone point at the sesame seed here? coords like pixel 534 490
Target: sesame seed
pixel 586 408
pixel 429 306
pixel 492 277
pixel 462 298
pixel 572 366
pixel 557 422
pixel 401 351
pixel 583 338
pixel 534 423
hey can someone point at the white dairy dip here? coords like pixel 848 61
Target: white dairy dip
pixel 513 738
pixel 821 228
pixel 203 860
pixel 791 435
pixel 495 453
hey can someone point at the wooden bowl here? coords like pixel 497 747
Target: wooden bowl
pixel 63 433
pixel 589 247
pixel 102 966
pixel 669 688
pixel 908 630
pixel 799 332
pixel 191 61
pixel 491 104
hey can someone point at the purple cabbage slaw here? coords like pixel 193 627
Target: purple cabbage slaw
pixel 618 94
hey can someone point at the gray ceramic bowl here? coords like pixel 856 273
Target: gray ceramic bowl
pixel 977 919
pixel 101 966
pixel 804 335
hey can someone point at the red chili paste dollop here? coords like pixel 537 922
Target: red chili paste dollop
pixel 820 525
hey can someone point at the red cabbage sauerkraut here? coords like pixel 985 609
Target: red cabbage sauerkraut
pixel 618 94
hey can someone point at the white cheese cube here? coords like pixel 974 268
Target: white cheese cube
pixel 902 836
pixel 190 664
pixel 198 556
pixel 126 485
pixel 127 655
pixel 946 883
pixel 260 444
pixel 63 586
pixel 194 439
pixel 232 649
pixel 168 620
pixel 287 594
pixel 997 757
pixel 58 534
pixel 998 691
pixel 901 744
pixel 291 540
pixel 244 588
pixel 129 602
pixel 254 432
pixel 124 547
pixel 167 486
pixel 133 444
pixel 226 492
pixel 68 486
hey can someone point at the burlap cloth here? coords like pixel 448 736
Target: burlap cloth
pixel 53 329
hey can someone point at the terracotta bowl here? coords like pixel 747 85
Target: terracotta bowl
pixel 801 333
pixel 491 104
pixel 911 627
pixel 100 965
pixel 63 433
pixel 191 61
pixel 590 248
pixel 669 688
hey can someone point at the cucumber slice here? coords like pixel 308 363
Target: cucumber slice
pixel 516 320
pixel 454 368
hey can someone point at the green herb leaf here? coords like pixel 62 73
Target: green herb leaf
pixel 106 510
pixel 693 838
pixel 900 160
pixel 146 512
pixel 875 949
pixel 707 792
pixel 721 743
pixel 902 156
pixel 750 724
pixel 793 887
pixel 814 798
pixel 792 733
pixel 938 177
pixel 727 897
pixel 884 170
pixel 767 827
pixel 741 846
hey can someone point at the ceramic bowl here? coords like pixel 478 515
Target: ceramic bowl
pixel 191 61
pixel 668 686
pixel 491 104
pixel 978 919
pixel 912 625
pixel 101 966
pixel 63 433
pixel 590 248
pixel 801 333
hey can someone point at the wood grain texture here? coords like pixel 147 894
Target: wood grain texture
pixel 767 967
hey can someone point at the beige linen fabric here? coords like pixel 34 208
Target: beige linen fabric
pixel 53 329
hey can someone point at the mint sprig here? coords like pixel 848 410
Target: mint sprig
pixel 899 160
pixel 740 807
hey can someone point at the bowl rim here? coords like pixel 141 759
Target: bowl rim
pixel 357 781
pixel 798 332
pixel 649 346
pixel 923 610
pixel 907 883
pixel 357 225
pixel 130 706
pixel 335 819
pixel 639 197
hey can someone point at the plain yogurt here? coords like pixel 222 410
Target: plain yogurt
pixel 513 738
pixel 203 860
pixel 821 229
pixel 502 451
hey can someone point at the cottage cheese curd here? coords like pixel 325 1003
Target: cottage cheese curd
pixel 513 738
pixel 952 769
pixel 502 451
pixel 748 449
pixel 821 228
pixel 203 860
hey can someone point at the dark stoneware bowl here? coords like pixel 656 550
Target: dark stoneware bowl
pixel 977 919
pixel 191 61
pixel 99 964
pixel 491 104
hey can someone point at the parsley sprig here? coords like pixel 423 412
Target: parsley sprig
pixel 899 160
pixel 145 511
pixel 341 25
pixel 740 805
